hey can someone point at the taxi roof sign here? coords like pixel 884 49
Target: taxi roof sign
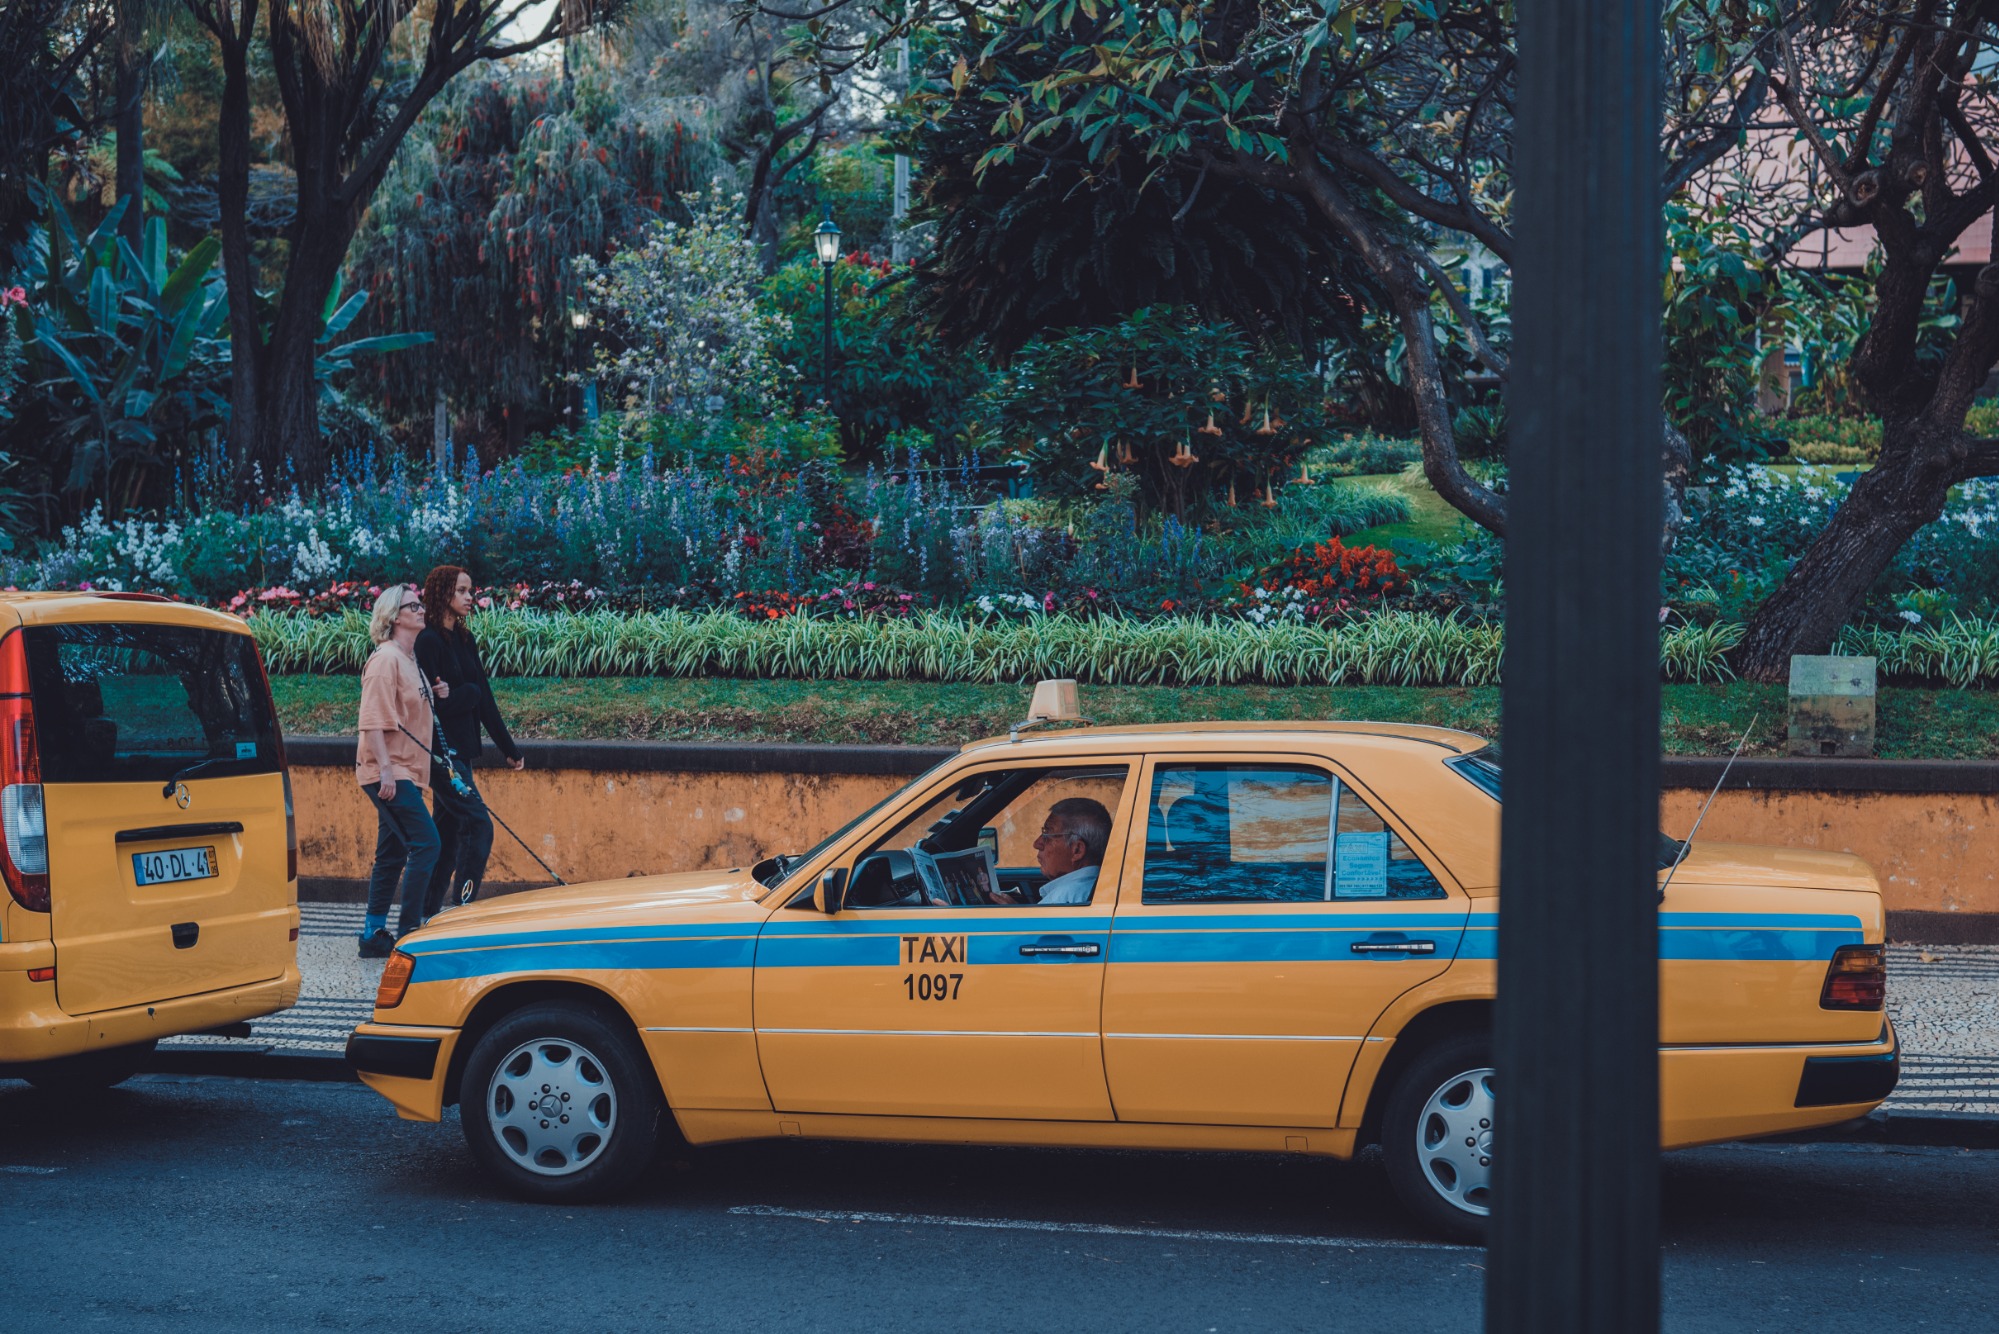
pixel 1053 702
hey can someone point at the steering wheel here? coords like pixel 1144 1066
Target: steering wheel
pixel 885 879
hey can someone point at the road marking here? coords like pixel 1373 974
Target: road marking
pixel 1096 1229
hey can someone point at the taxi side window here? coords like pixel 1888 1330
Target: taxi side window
pixel 1263 833
pixel 1370 860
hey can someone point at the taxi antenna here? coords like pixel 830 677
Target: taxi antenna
pixel 1687 843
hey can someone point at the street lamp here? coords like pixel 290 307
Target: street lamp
pixel 826 241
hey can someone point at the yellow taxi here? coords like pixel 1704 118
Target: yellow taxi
pixel 1225 936
pixel 149 850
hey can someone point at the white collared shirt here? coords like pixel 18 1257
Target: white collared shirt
pixel 1078 886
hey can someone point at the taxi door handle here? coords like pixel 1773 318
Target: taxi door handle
pixel 1393 945
pixel 1078 950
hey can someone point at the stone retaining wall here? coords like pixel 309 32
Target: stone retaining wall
pixel 603 810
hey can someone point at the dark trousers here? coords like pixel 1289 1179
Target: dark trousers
pixel 465 827
pixel 405 849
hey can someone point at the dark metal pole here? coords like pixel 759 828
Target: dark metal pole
pixel 1575 1242
pixel 826 374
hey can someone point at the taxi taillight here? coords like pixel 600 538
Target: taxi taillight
pixel 395 981
pixel 1856 979
pixel 24 829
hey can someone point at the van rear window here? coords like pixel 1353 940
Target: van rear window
pixel 132 702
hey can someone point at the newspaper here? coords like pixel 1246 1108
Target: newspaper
pixel 968 878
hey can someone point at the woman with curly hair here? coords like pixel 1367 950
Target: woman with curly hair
pixel 449 656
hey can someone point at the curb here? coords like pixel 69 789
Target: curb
pixel 1936 1130
pixel 1942 1130
pixel 250 1065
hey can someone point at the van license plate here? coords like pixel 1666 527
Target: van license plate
pixel 163 868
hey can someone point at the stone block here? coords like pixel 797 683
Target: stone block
pixel 1832 706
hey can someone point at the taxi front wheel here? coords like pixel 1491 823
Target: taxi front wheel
pixel 1436 1136
pixel 559 1103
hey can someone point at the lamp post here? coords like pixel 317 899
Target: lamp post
pixel 1575 1189
pixel 826 241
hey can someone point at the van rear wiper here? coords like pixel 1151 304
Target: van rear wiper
pixel 190 770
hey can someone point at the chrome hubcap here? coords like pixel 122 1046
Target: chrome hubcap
pixel 1454 1141
pixel 551 1106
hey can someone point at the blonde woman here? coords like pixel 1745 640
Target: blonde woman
pixel 393 768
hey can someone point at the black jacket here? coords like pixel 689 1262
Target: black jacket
pixel 453 657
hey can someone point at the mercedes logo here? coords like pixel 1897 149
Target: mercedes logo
pixel 182 795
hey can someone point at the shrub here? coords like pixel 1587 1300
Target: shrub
pixel 1362 455
pixel 1831 451
pixel 1191 410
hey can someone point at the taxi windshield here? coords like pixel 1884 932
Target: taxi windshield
pixel 1481 768
pixel 787 862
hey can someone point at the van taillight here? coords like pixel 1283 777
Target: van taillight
pixel 1857 978
pixel 24 829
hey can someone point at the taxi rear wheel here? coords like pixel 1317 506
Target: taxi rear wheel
pixel 559 1103
pixel 1436 1136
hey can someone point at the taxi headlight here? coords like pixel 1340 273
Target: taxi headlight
pixel 395 981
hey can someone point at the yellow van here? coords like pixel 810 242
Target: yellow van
pixel 149 850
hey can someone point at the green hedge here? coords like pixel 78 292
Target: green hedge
pixel 1393 648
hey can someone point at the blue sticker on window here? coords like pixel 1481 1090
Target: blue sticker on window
pixel 246 750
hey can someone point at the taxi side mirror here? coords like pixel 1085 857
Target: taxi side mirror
pixel 832 891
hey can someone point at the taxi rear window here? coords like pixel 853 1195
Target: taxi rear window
pixel 120 702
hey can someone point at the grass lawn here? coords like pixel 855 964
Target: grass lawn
pixel 1698 720
pixel 1431 518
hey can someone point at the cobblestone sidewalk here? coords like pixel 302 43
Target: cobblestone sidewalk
pixel 1944 1000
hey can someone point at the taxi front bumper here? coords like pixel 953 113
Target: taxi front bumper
pixel 406 1063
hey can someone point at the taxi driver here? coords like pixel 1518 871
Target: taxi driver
pixel 1069 852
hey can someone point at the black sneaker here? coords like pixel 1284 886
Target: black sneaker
pixel 378 946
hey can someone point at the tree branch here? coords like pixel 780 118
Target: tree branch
pixel 1426 206
pixel 1474 327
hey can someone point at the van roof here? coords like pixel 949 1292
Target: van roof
pixel 59 607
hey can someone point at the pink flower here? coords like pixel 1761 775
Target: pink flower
pixel 17 296
pixel 869 587
pixel 485 602
pixel 902 597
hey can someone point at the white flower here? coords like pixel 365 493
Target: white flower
pixel 1912 617
pixel 1755 521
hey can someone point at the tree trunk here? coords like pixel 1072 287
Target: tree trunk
pixel 281 435
pixel 1423 372
pixel 1887 505
pixel 232 192
pixel 129 127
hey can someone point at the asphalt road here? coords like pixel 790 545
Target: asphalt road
pixel 235 1204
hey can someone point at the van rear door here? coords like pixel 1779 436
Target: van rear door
pixel 163 787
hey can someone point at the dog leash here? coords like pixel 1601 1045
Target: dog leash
pixel 464 788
